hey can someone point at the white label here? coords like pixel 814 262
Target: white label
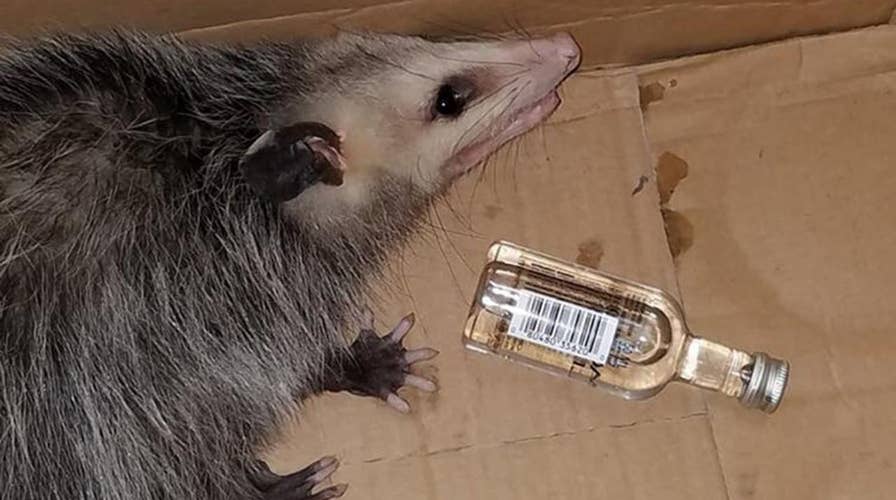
pixel 563 326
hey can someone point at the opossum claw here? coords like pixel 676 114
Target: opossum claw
pixel 395 401
pixel 380 366
pixel 333 492
pixel 298 485
pixel 404 326
pixel 418 355
pixel 421 383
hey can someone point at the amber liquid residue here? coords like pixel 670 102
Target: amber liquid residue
pixel 641 336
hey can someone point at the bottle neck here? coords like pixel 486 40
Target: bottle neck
pixel 757 380
pixel 714 366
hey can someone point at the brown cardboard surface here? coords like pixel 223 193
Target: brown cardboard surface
pixel 790 193
pixel 595 463
pixel 614 31
pixel 493 418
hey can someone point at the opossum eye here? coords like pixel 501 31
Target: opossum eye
pixel 450 102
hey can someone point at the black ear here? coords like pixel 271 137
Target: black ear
pixel 282 163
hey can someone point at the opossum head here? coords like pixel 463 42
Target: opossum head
pixel 416 113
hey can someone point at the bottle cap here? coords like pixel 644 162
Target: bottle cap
pixel 766 384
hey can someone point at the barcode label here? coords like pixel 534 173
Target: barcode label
pixel 563 327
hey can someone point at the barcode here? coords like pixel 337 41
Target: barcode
pixel 562 326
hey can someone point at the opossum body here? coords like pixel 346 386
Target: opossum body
pixel 175 277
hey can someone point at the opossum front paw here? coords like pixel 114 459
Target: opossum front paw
pixel 298 485
pixel 380 366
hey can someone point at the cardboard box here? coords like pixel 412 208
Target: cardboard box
pixel 613 31
pixel 765 209
pixel 755 184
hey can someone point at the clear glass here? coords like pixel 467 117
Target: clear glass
pixel 625 337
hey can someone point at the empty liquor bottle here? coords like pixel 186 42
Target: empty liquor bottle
pixel 628 338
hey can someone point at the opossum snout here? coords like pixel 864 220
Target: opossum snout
pixel 522 94
pixel 561 46
pixel 548 60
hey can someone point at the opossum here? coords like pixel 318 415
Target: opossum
pixel 189 233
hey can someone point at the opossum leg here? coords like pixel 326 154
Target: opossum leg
pixel 298 485
pixel 380 366
pixel 281 164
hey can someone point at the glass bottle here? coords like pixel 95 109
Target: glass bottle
pixel 628 338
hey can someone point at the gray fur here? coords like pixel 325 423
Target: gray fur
pixel 156 320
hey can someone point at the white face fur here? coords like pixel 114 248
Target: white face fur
pixel 424 112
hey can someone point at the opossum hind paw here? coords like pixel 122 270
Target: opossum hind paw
pixel 299 485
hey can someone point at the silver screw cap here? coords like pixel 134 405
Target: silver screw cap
pixel 767 383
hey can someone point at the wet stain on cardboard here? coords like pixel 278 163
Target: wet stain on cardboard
pixel 642 181
pixel 651 93
pixel 492 211
pixel 670 170
pixel 590 253
pixel 679 232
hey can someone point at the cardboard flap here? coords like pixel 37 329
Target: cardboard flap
pixel 789 192
pixel 611 32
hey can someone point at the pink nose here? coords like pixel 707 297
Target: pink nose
pixel 567 47
pixel 561 45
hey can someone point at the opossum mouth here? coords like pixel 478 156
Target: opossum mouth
pixel 506 129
